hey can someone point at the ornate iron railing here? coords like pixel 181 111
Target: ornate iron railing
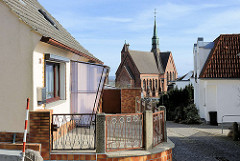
pixel 124 131
pixel 158 128
pixel 73 131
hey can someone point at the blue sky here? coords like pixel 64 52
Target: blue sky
pixel 102 26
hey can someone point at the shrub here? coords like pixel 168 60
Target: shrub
pixel 191 113
pixel 179 105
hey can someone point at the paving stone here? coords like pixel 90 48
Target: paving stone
pixel 202 143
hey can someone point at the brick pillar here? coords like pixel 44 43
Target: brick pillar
pixel 40 131
pixel 148 129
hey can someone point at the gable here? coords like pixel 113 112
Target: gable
pixel 223 61
pixel 36 17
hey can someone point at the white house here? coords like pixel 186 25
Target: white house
pixel 184 81
pixel 217 77
pixel 39 59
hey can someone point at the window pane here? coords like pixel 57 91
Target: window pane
pixel 57 79
pixel 49 81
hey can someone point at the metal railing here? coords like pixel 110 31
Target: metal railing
pixel 124 132
pixel 228 121
pixel 158 128
pixel 73 131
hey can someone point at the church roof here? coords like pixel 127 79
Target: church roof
pixel 164 58
pixel 35 16
pixel 144 61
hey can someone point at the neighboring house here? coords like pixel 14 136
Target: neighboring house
pixel 217 77
pixel 42 61
pixel 184 81
pixel 152 71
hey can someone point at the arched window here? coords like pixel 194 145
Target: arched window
pixel 153 85
pixel 156 84
pixel 167 78
pixel 173 76
pixel 150 84
pixel 144 85
pixel 170 77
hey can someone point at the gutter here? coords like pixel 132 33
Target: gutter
pixel 53 42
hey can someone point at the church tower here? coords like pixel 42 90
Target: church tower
pixel 155 46
pixel 155 40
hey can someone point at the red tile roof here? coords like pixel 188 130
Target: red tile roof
pixel 223 61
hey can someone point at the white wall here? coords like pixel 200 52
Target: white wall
pixel 63 105
pixel 222 96
pixel 17 43
pixel 182 84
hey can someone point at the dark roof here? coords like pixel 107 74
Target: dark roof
pixel 144 61
pixel 186 77
pixel 28 12
pixel 164 58
pixel 223 61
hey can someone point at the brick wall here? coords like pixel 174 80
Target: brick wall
pixel 19 146
pixel 162 156
pixel 128 97
pixel 122 75
pixel 8 137
pixel 40 130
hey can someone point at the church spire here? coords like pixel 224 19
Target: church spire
pixel 155 40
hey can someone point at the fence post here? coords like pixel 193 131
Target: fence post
pixel 101 133
pixel 148 129
pixel 163 108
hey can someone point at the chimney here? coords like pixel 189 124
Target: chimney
pixel 200 39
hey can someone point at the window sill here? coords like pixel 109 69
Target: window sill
pixel 50 100
pixel 54 104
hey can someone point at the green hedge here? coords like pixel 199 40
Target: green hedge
pixel 179 105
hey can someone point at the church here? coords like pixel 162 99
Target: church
pixel 152 71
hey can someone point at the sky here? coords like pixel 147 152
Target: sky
pixel 102 26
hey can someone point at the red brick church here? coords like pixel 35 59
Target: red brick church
pixel 152 71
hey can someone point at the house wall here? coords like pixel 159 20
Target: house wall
pixel 63 105
pixel 17 43
pixel 222 96
pixel 200 56
pixel 182 84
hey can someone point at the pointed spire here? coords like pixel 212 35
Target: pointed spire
pixel 155 25
pixel 155 41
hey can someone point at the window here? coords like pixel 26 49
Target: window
pixel 52 82
pixel 144 85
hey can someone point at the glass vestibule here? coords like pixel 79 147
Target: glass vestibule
pixel 87 81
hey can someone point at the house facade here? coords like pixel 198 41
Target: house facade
pixel 182 82
pixel 217 77
pixel 151 71
pixel 42 61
